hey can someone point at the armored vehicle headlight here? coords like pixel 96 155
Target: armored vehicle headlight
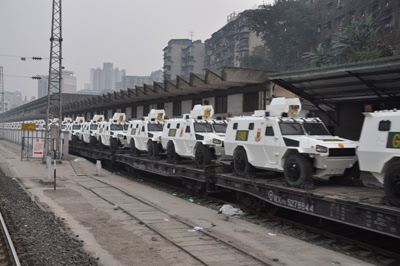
pixel 217 141
pixel 320 148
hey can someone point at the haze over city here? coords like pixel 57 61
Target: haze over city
pixel 130 34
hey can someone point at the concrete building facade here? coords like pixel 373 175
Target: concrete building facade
pixel 182 56
pixel 231 43
pixel 68 83
pixel 331 15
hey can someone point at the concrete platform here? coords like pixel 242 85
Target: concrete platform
pixel 117 220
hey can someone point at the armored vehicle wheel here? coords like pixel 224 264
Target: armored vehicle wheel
pixel 172 156
pixel 351 177
pixel 298 171
pixel 154 150
pixel 241 163
pixel 93 141
pixel 113 144
pixel 202 156
pixel 75 139
pixel 392 184
pixel 101 145
pixel 132 148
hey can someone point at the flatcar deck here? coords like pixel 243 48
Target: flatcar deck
pixel 357 206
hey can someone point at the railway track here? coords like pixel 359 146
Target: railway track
pixel 8 255
pixel 359 243
pixel 199 244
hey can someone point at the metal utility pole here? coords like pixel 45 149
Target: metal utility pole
pixel 2 89
pixel 54 92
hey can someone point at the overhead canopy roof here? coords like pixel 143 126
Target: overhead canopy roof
pixel 371 80
pixel 212 80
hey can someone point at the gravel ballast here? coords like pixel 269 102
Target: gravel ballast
pixel 39 237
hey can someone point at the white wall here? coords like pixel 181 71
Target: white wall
pixel 139 112
pixel 186 106
pixel 168 109
pixel 235 104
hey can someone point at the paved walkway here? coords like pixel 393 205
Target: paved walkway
pixel 124 222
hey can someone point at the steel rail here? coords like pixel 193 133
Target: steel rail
pixel 10 244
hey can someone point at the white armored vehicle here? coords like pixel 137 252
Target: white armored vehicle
pixel 66 124
pixel 277 140
pixel 197 136
pixel 145 135
pixel 112 134
pixel 76 128
pixel 90 128
pixel 379 150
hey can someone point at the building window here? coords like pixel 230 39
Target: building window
pixel 221 104
pixel 146 110
pixel 250 101
pixel 177 108
pixel 330 7
pixel 340 3
pixel 134 112
pixel 196 101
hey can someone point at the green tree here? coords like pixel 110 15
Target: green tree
pixel 258 59
pixel 287 29
pixel 319 57
pixel 359 41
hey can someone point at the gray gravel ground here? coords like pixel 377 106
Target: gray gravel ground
pixel 40 238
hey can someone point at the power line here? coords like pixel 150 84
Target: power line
pixel 23 58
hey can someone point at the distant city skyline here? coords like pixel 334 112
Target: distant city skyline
pixel 129 34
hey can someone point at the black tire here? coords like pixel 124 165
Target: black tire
pixel 132 148
pixel 93 141
pixel 154 150
pixel 392 185
pixel 101 145
pixel 113 144
pixel 241 164
pixel 298 171
pixel 172 156
pixel 351 177
pixel 202 156
pixel 75 139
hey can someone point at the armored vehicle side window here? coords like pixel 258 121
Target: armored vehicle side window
pixel 251 126
pixel 154 127
pixel 93 127
pixel 76 127
pixel 290 128
pixel 169 125
pixel 178 126
pixel 312 128
pixel 126 127
pixel 384 125
pixel 202 127
pixel 220 128
pixel 116 127
pixel 269 131
pixel 137 125
pixel 187 129
pixel 235 125
pixel 143 129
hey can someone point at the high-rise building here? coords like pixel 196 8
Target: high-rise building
pixel 182 56
pixel 106 79
pixel 193 58
pixel 231 43
pixel 68 83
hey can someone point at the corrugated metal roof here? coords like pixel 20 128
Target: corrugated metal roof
pixel 370 80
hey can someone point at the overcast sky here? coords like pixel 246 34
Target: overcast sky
pixel 129 33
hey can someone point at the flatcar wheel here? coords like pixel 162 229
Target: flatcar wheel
pixel 298 171
pixel 241 164
pixel 113 144
pixel 392 185
pixel 202 156
pixel 101 145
